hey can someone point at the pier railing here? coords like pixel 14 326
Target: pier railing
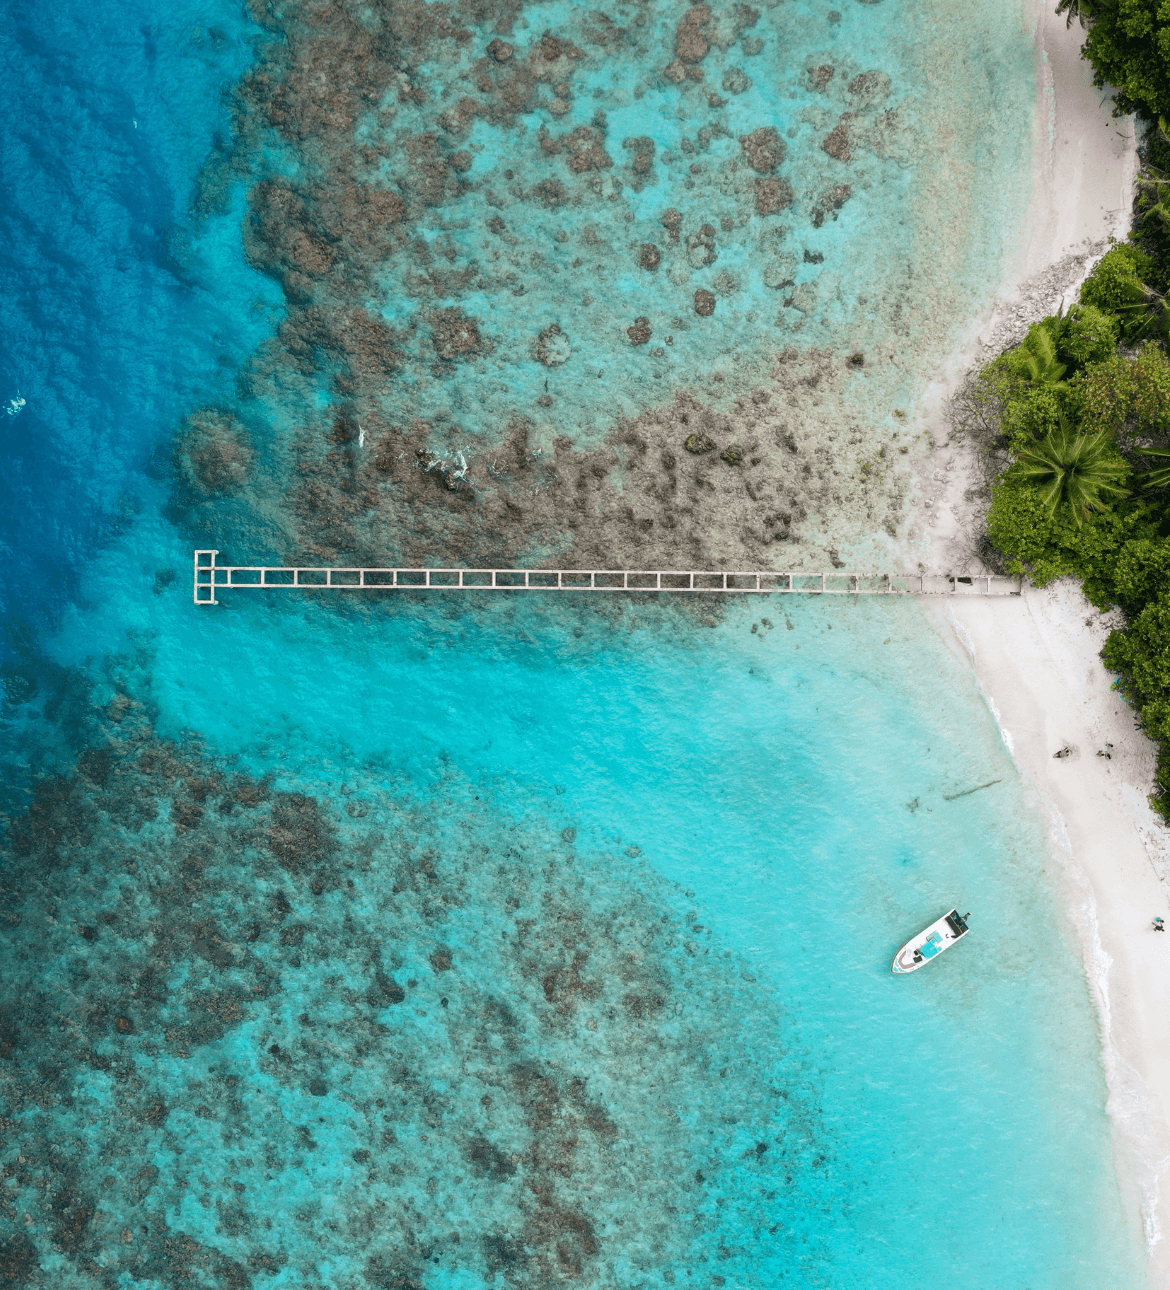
pixel 211 577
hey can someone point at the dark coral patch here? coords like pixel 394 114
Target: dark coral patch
pixel 299 836
pixel 690 40
pixel 213 452
pixel 489 1161
pixel 763 148
pixel 640 332
pixel 837 145
pixel 772 195
pixel 18 1261
pixel 454 335
pixel 385 991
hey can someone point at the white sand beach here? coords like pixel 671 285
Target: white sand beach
pixel 1037 659
pixel 1084 165
pixel 1037 656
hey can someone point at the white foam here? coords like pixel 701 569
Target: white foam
pixel 1132 1107
pixel 969 645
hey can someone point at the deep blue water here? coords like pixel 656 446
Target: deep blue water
pixel 440 943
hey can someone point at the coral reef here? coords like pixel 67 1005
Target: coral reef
pixel 212 452
pixel 466 369
pixel 404 501
pixel 240 1018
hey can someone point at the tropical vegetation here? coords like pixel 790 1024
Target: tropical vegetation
pixel 1129 46
pixel 1073 423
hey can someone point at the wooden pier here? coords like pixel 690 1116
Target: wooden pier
pixel 211 577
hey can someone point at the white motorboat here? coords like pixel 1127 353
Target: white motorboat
pixel 931 942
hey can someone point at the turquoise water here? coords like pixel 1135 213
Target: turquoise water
pixel 444 942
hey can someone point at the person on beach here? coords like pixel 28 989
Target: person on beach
pixel 1159 926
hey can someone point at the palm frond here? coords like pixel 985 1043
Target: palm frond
pixel 1083 10
pixel 1159 477
pixel 1040 355
pixel 1080 471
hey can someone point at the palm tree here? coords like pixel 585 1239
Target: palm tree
pixel 1074 470
pixel 1083 10
pixel 1151 177
pixel 1159 478
pixel 1040 354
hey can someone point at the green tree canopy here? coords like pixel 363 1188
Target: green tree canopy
pixel 1141 572
pixel 1089 335
pixel 1142 652
pixel 1047 545
pixel 1126 397
pixel 1117 286
pixel 1073 470
pixel 1128 44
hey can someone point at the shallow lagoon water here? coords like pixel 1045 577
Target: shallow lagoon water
pixel 756 819
pixel 655 861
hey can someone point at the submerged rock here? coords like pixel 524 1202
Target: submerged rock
pixel 772 196
pixel 640 332
pixel 763 148
pixel 837 143
pixel 649 256
pixel 690 41
pixel 870 86
pixel 552 347
pixel 701 247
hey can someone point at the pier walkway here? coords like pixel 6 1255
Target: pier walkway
pixel 211 577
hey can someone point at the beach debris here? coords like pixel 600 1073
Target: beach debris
pixel 1067 751
pixel 954 797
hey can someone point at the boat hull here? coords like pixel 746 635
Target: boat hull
pixel 929 943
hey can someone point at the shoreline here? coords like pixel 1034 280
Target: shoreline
pixel 1084 163
pixel 1037 658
